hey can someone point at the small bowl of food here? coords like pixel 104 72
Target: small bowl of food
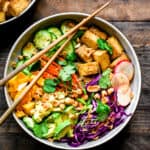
pixel 10 10
pixel 87 95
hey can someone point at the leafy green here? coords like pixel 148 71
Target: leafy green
pixel 78 34
pixel 53 117
pixel 29 122
pixel 103 45
pixel 90 98
pixel 50 85
pixel 103 111
pixel 62 62
pixel 40 129
pixel 51 52
pixel 35 66
pixel 71 56
pixel 104 81
pixel 81 101
pixel 61 127
pixel 66 72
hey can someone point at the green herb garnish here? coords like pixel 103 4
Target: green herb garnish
pixel 103 45
pixel 62 62
pixel 103 111
pixel 104 81
pixel 66 72
pixel 50 85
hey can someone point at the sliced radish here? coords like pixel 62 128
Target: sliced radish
pixel 123 88
pixel 126 68
pixel 124 99
pixel 130 93
pixel 120 81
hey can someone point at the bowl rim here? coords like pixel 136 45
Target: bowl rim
pixel 99 19
pixel 21 14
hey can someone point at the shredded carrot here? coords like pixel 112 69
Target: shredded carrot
pixel 54 69
pixel 44 57
pixel 57 65
pixel 75 80
pixel 61 58
pixel 47 75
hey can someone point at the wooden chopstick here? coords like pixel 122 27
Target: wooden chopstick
pixel 38 55
pixel 16 102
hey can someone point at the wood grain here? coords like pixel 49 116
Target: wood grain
pixel 125 10
pixel 134 22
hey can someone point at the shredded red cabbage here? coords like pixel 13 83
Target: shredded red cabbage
pixel 94 81
pixel 89 129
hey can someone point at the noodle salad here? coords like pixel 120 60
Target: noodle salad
pixel 83 94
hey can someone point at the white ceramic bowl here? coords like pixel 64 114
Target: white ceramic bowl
pixel 110 29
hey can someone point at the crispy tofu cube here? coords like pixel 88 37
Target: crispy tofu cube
pixel 85 53
pixel 28 107
pixel 90 39
pixel 119 59
pixel 102 58
pixel 2 16
pixel 99 33
pixel 117 48
pixel 89 68
pixel 17 6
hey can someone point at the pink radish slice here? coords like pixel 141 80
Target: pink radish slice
pixel 124 99
pixel 120 81
pixel 130 93
pixel 126 68
pixel 123 89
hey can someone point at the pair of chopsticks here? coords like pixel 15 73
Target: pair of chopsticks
pixel 69 34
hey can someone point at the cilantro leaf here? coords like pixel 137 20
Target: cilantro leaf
pixel 49 85
pixel 62 62
pixel 66 72
pixel 103 45
pixel 104 81
pixel 103 111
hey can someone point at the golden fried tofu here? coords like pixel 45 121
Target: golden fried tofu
pixel 119 59
pixel 17 6
pixel 90 39
pixel 89 68
pixel 2 16
pixel 102 57
pixel 97 32
pixel 85 53
pixel 117 48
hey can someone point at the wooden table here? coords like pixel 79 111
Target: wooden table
pixel 132 17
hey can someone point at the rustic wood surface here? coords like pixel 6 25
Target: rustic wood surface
pixel 132 17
